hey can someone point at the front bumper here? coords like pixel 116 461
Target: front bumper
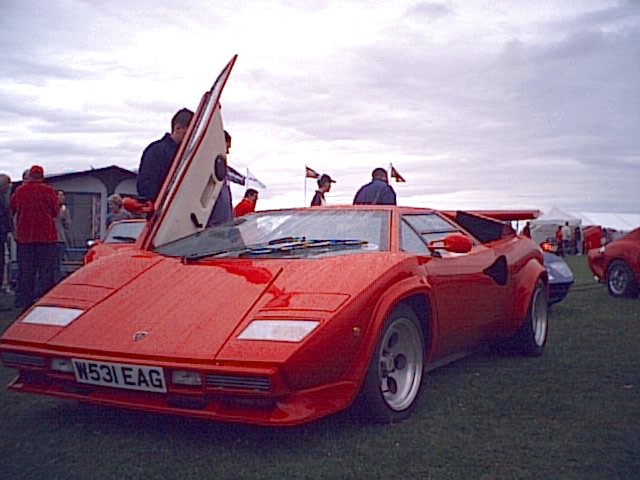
pixel 254 396
pixel 558 291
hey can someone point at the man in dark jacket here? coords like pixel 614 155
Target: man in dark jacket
pixel 223 208
pixel 35 205
pixel 324 185
pixel 377 191
pixel 158 156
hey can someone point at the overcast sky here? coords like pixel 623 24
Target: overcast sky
pixel 478 104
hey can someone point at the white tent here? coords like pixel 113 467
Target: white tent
pixel 623 222
pixel 546 224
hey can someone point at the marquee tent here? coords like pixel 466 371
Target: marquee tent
pixel 623 222
pixel 546 224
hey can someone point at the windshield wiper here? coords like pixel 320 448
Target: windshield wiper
pixel 296 245
pixel 124 239
pixel 243 249
pixel 210 253
pixel 287 240
pixel 280 245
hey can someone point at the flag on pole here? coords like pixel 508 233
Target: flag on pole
pixel 395 174
pixel 252 179
pixel 311 173
pixel 234 176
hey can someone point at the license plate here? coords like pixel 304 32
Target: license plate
pixel 119 375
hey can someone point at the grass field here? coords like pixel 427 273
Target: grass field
pixel 574 413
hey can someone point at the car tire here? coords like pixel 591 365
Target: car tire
pixel 394 377
pixel 532 337
pixel 620 281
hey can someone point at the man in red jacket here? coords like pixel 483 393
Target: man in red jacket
pixel 35 205
pixel 248 203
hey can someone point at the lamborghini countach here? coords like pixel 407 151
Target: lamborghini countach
pixel 279 317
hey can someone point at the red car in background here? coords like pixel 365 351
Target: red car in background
pixel 120 234
pixel 617 264
pixel 280 317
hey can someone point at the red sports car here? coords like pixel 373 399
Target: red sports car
pixel 618 265
pixel 280 317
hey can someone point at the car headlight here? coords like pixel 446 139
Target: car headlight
pixel 55 316
pixel 279 330
pixel 559 269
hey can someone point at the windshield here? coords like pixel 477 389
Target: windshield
pixel 124 232
pixel 288 233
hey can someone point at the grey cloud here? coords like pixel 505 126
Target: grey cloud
pixel 624 13
pixel 430 10
pixel 549 111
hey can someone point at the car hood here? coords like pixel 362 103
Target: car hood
pixel 192 310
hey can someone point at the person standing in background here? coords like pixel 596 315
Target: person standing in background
pixel 578 239
pixel 566 233
pixel 223 208
pixel 377 191
pixel 158 156
pixel 560 250
pixel 6 222
pixel 324 186
pixel 35 205
pixel 63 227
pixel 116 211
pixel 248 204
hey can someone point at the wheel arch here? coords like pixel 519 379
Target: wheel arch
pixel 532 272
pixel 420 303
pixel 412 292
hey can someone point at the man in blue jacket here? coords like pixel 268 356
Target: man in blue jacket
pixel 377 191
pixel 158 157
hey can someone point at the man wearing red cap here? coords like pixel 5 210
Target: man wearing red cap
pixel 35 205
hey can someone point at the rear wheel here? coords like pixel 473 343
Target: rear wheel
pixel 620 281
pixel 532 337
pixel 394 377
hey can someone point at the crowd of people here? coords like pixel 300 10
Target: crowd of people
pixel 568 240
pixel 157 159
pixel 37 217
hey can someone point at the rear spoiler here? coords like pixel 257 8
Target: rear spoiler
pixel 490 225
pixel 501 215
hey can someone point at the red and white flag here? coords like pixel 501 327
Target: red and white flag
pixel 395 174
pixel 311 173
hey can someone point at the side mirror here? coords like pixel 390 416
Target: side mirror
pixel 455 243
pixel 135 206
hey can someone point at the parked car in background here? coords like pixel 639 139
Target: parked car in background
pixel 617 264
pixel 120 234
pixel 560 277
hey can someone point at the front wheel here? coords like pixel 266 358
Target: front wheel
pixel 392 384
pixel 620 281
